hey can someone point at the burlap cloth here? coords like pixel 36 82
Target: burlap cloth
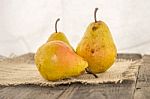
pixel 22 70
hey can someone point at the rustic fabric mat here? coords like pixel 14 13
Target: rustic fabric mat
pixel 22 70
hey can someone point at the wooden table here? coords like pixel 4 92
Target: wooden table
pixel 139 89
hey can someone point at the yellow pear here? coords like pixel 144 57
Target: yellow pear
pixel 58 35
pixel 97 46
pixel 56 60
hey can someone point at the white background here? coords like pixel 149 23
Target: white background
pixel 26 24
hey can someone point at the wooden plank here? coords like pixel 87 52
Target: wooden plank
pixel 144 73
pixel 124 90
pixel 143 82
pixel 31 92
pixel 75 91
pixel 132 56
pixel 101 91
pixel 68 93
pixel 142 93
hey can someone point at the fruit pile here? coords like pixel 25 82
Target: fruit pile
pixel 95 53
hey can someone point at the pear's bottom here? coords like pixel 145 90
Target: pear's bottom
pixel 100 67
pixel 60 74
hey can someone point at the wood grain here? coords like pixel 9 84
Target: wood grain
pixel 103 91
pixel 124 90
pixel 31 92
pixel 142 90
pixel 75 91
pixel 133 56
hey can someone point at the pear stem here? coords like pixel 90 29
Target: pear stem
pixel 56 24
pixel 95 14
pixel 89 72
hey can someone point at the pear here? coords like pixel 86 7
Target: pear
pixel 58 35
pixel 97 46
pixel 56 60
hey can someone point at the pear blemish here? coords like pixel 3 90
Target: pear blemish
pixel 92 51
pixel 103 52
pixel 94 28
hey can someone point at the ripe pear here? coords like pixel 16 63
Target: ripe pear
pixel 56 60
pixel 58 35
pixel 97 46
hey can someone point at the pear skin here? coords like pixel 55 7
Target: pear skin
pixel 97 47
pixel 56 60
pixel 58 35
